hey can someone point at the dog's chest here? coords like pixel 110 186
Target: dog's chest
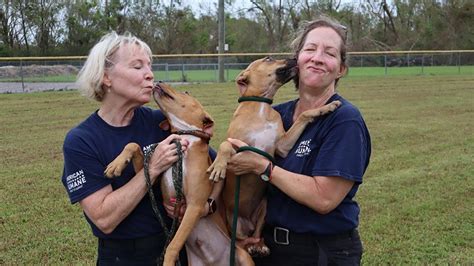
pixel 168 174
pixel 262 136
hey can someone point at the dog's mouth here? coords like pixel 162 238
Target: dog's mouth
pixel 161 92
pixel 286 73
pixel 242 82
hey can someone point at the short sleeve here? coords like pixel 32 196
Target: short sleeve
pixel 344 152
pixel 83 171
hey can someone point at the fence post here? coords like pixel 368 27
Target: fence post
pixel 422 64
pixel 227 73
pixel 385 64
pixel 459 63
pixel 21 75
pixel 183 75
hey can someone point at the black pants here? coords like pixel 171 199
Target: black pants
pixel 141 251
pixel 287 248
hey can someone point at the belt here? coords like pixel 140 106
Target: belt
pixel 132 244
pixel 283 236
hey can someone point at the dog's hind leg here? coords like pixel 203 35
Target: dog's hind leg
pixel 191 216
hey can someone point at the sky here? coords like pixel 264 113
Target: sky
pixel 210 6
pixel 204 6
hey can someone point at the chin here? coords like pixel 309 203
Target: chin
pixel 144 100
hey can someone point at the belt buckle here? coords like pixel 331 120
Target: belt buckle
pixel 286 233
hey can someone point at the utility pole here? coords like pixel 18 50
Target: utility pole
pixel 221 40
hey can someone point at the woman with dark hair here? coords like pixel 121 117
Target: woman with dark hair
pixel 312 217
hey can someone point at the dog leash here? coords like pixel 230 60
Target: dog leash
pixel 154 206
pixel 177 172
pixel 236 200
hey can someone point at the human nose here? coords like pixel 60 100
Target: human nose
pixel 149 73
pixel 317 56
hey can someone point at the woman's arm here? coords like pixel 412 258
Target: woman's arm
pixel 320 193
pixel 107 208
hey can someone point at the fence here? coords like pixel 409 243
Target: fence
pixel 15 72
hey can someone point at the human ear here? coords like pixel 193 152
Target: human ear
pixel 106 81
pixel 342 71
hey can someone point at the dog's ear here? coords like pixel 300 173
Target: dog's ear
pixel 165 125
pixel 242 82
pixel 208 125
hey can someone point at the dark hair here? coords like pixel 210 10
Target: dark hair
pixel 322 21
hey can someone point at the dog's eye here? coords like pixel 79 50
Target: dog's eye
pixel 268 59
pixel 186 92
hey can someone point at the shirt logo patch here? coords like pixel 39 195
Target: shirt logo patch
pixel 75 181
pixel 303 148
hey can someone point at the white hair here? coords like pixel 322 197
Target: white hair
pixel 90 78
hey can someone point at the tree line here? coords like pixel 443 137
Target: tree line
pixel 46 28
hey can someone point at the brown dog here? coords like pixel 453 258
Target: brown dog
pixel 207 241
pixel 259 125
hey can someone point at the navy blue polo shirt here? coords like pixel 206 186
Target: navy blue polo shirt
pixel 337 144
pixel 91 146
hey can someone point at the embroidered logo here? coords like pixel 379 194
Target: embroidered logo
pixel 75 181
pixel 147 149
pixel 303 148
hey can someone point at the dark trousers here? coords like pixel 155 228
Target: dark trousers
pixel 288 248
pixel 140 251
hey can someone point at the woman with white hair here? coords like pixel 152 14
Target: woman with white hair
pixel 118 74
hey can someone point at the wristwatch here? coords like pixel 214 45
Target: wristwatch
pixel 212 206
pixel 267 174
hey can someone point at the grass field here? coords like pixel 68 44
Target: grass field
pixel 417 198
pixel 212 75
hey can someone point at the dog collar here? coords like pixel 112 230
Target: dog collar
pixel 198 133
pixel 255 99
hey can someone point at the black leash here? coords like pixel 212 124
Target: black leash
pixel 154 206
pixel 236 200
pixel 178 184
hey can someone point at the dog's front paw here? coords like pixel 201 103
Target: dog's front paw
pixel 330 107
pixel 115 168
pixel 311 114
pixel 217 170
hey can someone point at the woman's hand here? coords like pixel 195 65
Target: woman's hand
pixel 246 162
pixel 165 155
pixel 171 208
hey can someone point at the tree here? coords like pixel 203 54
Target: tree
pixel 276 16
pixel 42 17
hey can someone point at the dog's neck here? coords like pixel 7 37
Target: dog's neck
pixel 255 99
pixel 195 132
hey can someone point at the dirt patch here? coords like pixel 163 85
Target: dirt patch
pixel 37 70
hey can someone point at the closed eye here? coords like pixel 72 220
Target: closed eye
pixel 268 59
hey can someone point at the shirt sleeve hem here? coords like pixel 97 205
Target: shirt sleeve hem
pixel 357 179
pixel 83 195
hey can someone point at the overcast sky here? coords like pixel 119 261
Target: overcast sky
pixel 210 6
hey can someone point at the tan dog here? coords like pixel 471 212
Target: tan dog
pixel 259 125
pixel 207 241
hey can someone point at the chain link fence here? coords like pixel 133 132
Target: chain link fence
pixel 25 74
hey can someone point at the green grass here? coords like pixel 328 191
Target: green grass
pixel 416 199
pixel 230 74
